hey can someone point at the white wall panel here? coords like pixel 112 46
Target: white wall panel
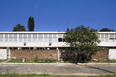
pixel 3 53
pixel 112 54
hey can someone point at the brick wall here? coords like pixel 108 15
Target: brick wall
pixel 101 55
pixel 31 54
pixel 46 54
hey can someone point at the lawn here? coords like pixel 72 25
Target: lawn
pixel 31 61
pixel 103 61
pixel 46 75
pixel 1 60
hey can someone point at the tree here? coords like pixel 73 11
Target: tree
pixel 31 24
pixel 106 30
pixel 19 27
pixel 83 42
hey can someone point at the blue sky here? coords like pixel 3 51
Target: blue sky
pixel 58 15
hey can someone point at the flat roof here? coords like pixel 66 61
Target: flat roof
pixel 42 32
pixel 32 32
pixel 106 32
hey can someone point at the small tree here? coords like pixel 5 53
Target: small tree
pixel 31 24
pixel 82 40
pixel 19 27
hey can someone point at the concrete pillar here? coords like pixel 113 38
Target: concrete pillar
pixel 58 53
pixel 34 48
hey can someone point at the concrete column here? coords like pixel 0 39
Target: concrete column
pixel 34 48
pixel 58 53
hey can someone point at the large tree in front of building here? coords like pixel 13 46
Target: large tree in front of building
pixel 106 30
pixel 83 42
pixel 31 24
pixel 19 27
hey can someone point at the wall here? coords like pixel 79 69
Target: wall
pixel 33 44
pixel 3 54
pixel 101 55
pixel 112 54
pixel 31 54
pixel 46 54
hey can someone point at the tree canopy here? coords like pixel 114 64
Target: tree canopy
pixel 106 30
pixel 19 27
pixel 82 39
pixel 31 24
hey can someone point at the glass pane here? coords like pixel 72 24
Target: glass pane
pixel 1 37
pixel 6 37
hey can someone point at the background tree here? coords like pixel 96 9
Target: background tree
pixel 19 27
pixel 83 42
pixel 31 24
pixel 106 30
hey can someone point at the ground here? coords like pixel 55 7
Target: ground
pixel 67 69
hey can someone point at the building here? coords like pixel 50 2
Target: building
pixel 49 40
pixel 31 40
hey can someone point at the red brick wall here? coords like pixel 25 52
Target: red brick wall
pixel 101 55
pixel 46 54
pixel 31 54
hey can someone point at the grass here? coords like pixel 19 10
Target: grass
pixel 103 61
pixel 47 75
pixel 15 61
pixel 31 61
pixel 1 60
pixel 54 61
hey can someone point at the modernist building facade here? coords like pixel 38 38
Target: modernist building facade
pixel 37 40
pixel 47 40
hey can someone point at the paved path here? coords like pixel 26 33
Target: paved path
pixel 72 69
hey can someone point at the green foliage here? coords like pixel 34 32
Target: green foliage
pixel 19 27
pixel 31 24
pixel 83 40
pixel 107 61
pixel 106 30
pixel 2 60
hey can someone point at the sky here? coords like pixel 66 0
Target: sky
pixel 58 15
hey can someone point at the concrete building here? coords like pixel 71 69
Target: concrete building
pixel 49 40
pixel 31 40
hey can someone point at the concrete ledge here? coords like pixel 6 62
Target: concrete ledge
pixel 59 63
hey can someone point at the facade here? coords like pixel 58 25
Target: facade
pixel 13 41
pixel 32 40
pixel 107 39
pixel 47 39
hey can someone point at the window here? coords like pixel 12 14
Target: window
pixel 40 37
pixel 35 37
pixel 29 37
pixel 15 37
pixel 1 37
pixel 10 37
pixel 60 35
pixel 6 37
pixel 60 39
pixel 115 39
pixel 46 37
pixel 50 37
pixel 20 37
pixel 111 39
pixel 54 38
